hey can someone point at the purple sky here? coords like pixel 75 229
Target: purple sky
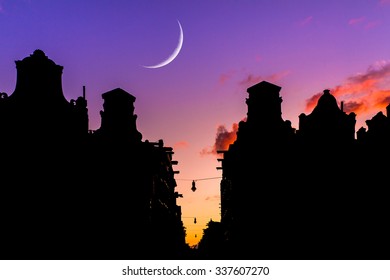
pixel 302 46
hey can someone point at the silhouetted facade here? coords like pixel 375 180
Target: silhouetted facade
pixel 71 193
pixel 212 244
pixel 311 193
pixel 315 192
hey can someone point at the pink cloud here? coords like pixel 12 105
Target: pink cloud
pixel 181 145
pixel 354 21
pixel 258 58
pixel 251 79
pixel 375 73
pixel 306 21
pixel 225 77
pixel 277 76
pixel 362 93
pixel 384 2
pixel 371 24
pixel 312 101
pixel 367 25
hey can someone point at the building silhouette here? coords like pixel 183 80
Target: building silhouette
pixel 212 244
pixel 313 193
pixel 71 193
pixel 67 192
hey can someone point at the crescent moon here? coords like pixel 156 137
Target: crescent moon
pixel 175 52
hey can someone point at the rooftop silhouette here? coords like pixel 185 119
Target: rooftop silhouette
pixel 72 193
pixel 316 192
pixel 312 193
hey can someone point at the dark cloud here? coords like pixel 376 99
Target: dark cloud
pixel 353 106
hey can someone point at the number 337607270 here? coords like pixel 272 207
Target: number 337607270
pixel 241 270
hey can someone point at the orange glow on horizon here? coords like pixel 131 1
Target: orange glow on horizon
pixel 364 94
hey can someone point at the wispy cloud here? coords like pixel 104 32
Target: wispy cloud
pixel 226 77
pixel 372 24
pixel 363 93
pixel 242 78
pixel 384 2
pixel 252 79
pixel 306 21
pixel 181 145
pixel 354 21
pixel 363 22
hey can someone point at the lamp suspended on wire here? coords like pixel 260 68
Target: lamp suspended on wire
pixel 193 188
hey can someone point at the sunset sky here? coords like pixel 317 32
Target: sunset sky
pixel 196 101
